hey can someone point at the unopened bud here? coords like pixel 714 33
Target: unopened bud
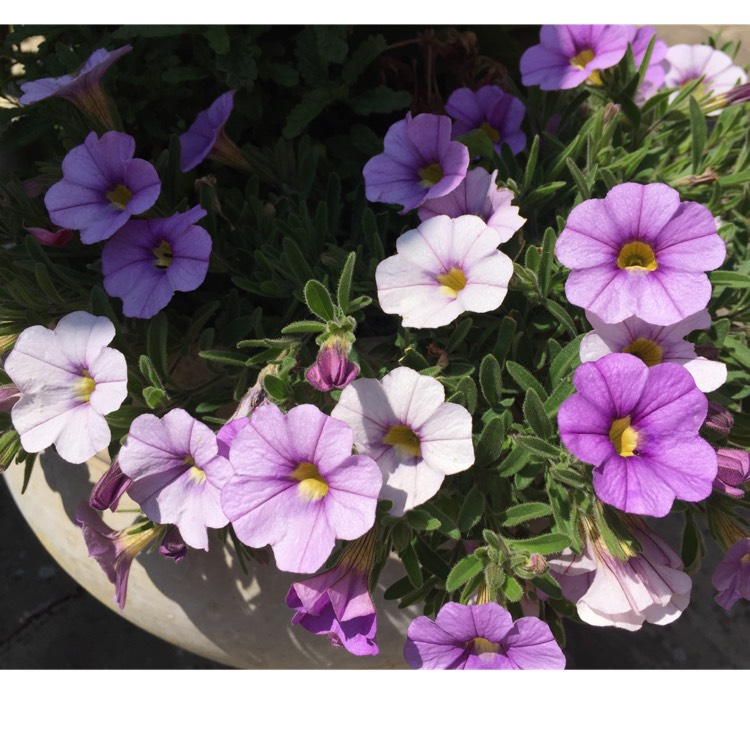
pixel 332 368
pixel 719 418
pixel 734 471
pixel 112 485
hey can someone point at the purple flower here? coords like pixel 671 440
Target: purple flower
pixel 481 636
pixel 332 368
pixel 638 426
pixel 112 485
pixel 734 471
pixel 60 238
pixel 478 194
pixel 206 137
pixel 732 576
pixel 337 602
pixel 492 110
pixel 177 473
pixel 719 418
pixel 173 545
pixel 648 587
pixel 9 394
pixel 640 251
pixel 420 162
pixel 147 261
pixel 82 88
pixel 657 66
pixel 69 379
pixel 568 55
pixel 654 345
pixel 297 487
pixel 102 187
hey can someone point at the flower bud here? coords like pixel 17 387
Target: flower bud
pixel 719 418
pixel 59 238
pixel 734 471
pixel 173 546
pixel 112 485
pixel 332 368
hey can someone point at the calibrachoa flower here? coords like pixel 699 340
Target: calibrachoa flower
pixel 177 473
pixel 719 418
pixel 337 602
pixel 206 137
pixel 69 379
pixel 638 426
pixel 734 471
pixel 732 576
pixel 403 422
pixel 478 194
pixel 147 261
pixel 568 55
pixel 657 66
pixel 297 487
pixel 102 187
pixel 640 251
pixel 442 268
pixel 649 586
pixel 112 485
pixel 419 162
pixel 492 110
pixel 59 238
pixel 82 88
pixel 332 368
pixel 481 636
pixel 173 545
pixel 654 345
pixel 689 62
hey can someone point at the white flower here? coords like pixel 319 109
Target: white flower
pixel 404 424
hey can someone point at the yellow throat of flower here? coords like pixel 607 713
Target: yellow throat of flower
pixel 492 133
pixel 311 485
pixel 581 60
pixel 196 473
pixel 453 282
pixel 85 386
pixel 637 256
pixel 163 255
pixel 119 197
pixel 649 352
pixel 404 440
pixel 623 437
pixel 431 174
pixel 483 646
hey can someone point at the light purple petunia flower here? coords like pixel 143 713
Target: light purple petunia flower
pixel 654 345
pixel 496 112
pixel 648 587
pixel 403 423
pixel 69 379
pixel 732 575
pixel 638 426
pixel 337 602
pixel 419 162
pixel 441 269
pixel 206 137
pixel 332 367
pixel 297 487
pixel 640 251
pixel 734 471
pixel 478 194
pixel 102 187
pixel 177 473
pixel 481 636
pixel 570 54
pixel 147 261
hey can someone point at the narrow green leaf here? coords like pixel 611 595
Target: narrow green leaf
pixel 149 371
pixel 525 379
pixel 463 571
pixel 225 358
pixel 539 447
pixel 275 387
pixel 559 312
pixel 528 177
pixel 504 338
pixel 545 544
pixel 730 279
pixel 304 326
pixel 514 461
pixel 512 589
pixel 460 332
pixel 519 514
pixel 319 300
pixel 693 546
pixel 491 379
pixel 579 179
pixel 421 520
pixel 156 342
pixel 400 588
pixel 411 565
pixel 548 585
pixel 154 397
pixel 533 410
pixel 490 443
pixel 345 283
pixel 738 351
pixel 698 131
pixel 566 361
pixel 472 509
pixel 546 260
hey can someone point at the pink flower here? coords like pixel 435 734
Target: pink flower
pixel 732 576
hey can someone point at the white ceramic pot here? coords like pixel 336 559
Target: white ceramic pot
pixel 205 604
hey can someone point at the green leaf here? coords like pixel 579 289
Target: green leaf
pixel 490 443
pixel 381 100
pixel 539 447
pixel 546 259
pixel 504 338
pixel 468 388
pixel 730 279
pixel 343 293
pixel 463 571
pixel 357 61
pixel 515 461
pixel 519 514
pixel 156 342
pixel 693 547
pixel 472 509
pixel 411 565
pixel 698 131
pixel 400 588
pixel 311 105
pixel 512 589
pixel 225 358
pixel 491 379
pixel 739 178
pixel 149 371
pixel 739 352
pixel 545 544
pixel 319 300
pixel 566 361
pixel 579 179
pixel 559 312
pixel 525 379
pixel 275 387
pixel 536 416
pixel 460 332
pixel 548 585
pixel 421 520
pixel 479 144
pixel 154 397
pixel 304 326
pixel 528 178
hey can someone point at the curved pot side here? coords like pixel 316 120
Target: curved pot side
pixel 205 604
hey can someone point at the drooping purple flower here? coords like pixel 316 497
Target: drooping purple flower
pixel 733 472
pixel 9 394
pixel 206 137
pixel 649 586
pixel 147 261
pixel 570 54
pixel 297 487
pixel 82 88
pixel 640 251
pixel 112 485
pixel 69 379
pixel 59 238
pixel 419 162
pixel 732 575
pixel 638 426
pixel 481 636
pixel 719 418
pixel 102 187
pixel 654 345
pixel 173 546
pixel 478 194
pixel 332 368
pixel 496 112
pixel 337 602
pixel 177 473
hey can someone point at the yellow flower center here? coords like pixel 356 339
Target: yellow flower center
pixel 404 440
pixel 119 197
pixel 581 60
pixel 85 386
pixel 483 646
pixel 637 256
pixel 699 91
pixel 492 133
pixel 311 485
pixel 163 255
pixel 649 352
pixel 453 282
pixel 431 174
pixel 623 437
pixel 196 473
